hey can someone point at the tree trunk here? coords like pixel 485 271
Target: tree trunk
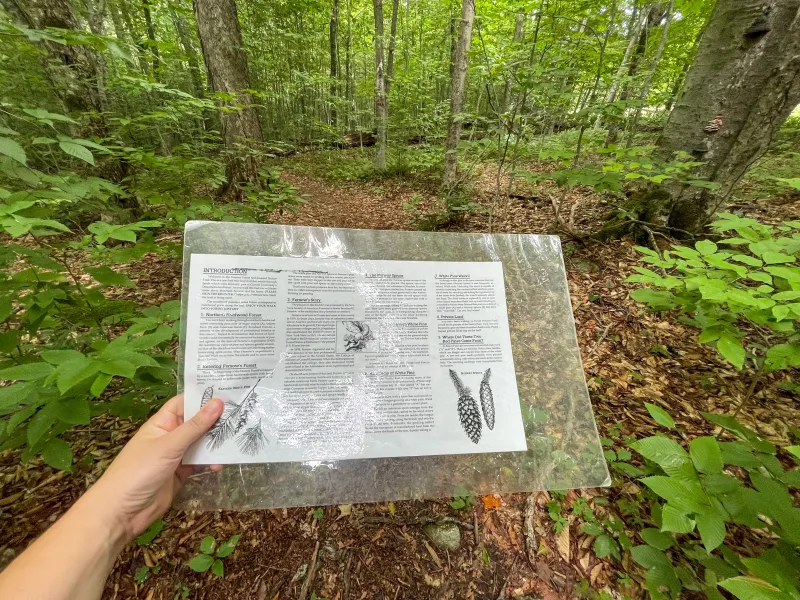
pixel 457 88
pixel 221 42
pixel 648 81
pixel 190 51
pixel 520 21
pixel 743 84
pixel 381 105
pixel 390 54
pixel 333 36
pixel 151 36
pixel 72 69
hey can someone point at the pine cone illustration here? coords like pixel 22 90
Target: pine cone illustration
pixel 487 400
pixel 207 395
pixel 468 412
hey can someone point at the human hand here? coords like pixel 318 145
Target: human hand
pixel 141 483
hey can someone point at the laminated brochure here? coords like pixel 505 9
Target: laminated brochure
pixel 329 359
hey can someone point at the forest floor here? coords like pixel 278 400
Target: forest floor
pixel 378 551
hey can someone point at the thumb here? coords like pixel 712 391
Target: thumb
pixel 192 430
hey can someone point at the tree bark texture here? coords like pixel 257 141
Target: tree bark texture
pixel 390 53
pixel 381 104
pixel 221 42
pixel 151 36
pixel 743 84
pixel 72 69
pixel 190 51
pixel 457 88
pixel 333 37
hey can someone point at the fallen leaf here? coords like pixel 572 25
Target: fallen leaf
pixel 492 501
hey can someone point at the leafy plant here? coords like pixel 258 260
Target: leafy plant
pixel 704 496
pixel 742 292
pixel 211 555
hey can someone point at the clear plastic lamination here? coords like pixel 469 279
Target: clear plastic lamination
pixel 564 449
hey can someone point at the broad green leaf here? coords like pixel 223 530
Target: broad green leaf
pixel 660 416
pixel 13 150
pixel 208 544
pixel 75 411
pixel 794 450
pixel 684 496
pixel 604 546
pixel 732 425
pixel 675 521
pixel 593 529
pixel 58 455
pixel 149 534
pixel 658 299
pixel 201 563
pixel 77 151
pixel 119 367
pixel 706 455
pixel 667 454
pixel 747 259
pixel 57 357
pixel 39 425
pixel 706 247
pixel 217 568
pixel 649 557
pixel 782 356
pixel 752 588
pixel 712 530
pixel 793 295
pixel 71 373
pixel 100 384
pixel 107 276
pixel 27 372
pixel 657 539
pixel 773 570
pixel 731 349
pixel 780 312
pixel 226 548
pixel 774 258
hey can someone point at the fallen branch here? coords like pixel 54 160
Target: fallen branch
pixel 311 572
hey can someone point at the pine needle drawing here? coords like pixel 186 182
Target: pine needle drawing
pixel 487 400
pixel 233 420
pixel 468 412
pixel 253 440
pixel 207 395
pixel 357 336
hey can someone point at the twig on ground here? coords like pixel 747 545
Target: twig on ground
pixel 502 594
pixel 311 572
pixel 437 521
pixel 530 534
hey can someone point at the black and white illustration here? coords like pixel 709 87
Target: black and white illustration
pixel 467 407
pixel 357 336
pixel 239 421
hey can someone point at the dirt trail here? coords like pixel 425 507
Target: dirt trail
pixel 358 205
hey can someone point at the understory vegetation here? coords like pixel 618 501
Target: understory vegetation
pixel 122 120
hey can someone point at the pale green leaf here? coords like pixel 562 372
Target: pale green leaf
pixel 27 372
pixel 752 588
pixel 675 521
pixel 660 416
pixel 712 530
pixel 13 150
pixel 201 563
pixel 77 151
pixel 731 349
pixel 706 454
pixel 706 247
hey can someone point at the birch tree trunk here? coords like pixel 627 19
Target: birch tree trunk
pixel 743 84
pixel 381 105
pixel 457 87
pixel 223 52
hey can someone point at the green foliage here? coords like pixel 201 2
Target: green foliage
pixel 149 534
pixel 211 555
pixel 733 289
pixel 464 502
pixel 700 497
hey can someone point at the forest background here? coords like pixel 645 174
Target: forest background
pixel 668 124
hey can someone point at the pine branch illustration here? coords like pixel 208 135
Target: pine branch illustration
pixel 468 412
pixel 253 440
pixel 232 420
pixel 207 395
pixel 487 400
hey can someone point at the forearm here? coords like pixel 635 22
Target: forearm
pixel 72 559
